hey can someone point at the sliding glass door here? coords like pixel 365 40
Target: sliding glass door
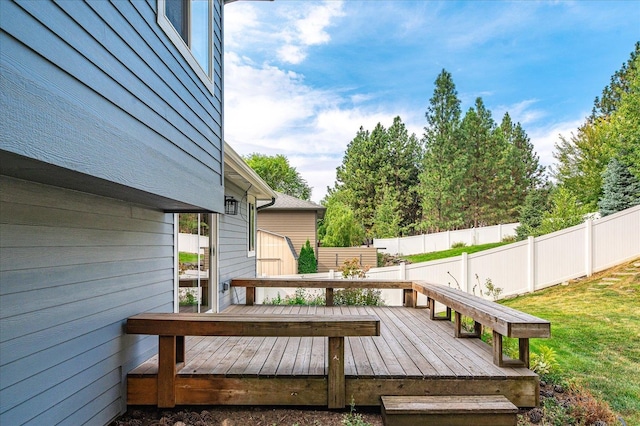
pixel 197 266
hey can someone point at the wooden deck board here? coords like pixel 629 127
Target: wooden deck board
pixel 412 354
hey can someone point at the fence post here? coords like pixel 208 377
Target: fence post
pixel 331 275
pixel 448 239
pixel 403 271
pixel 424 243
pixel 464 259
pixel 588 252
pixel 499 232
pixel 531 265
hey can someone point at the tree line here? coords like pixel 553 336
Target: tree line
pixel 467 170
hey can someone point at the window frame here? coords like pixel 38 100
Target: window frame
pixel 252 232
pixel 181 44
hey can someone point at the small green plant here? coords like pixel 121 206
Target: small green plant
pixel 509 239
pixel 352 418
pixel 544 362
pixel 492 290
pixel 189 299
pixel 300 297
pixel 358 297
pixel 351 268
pixel 458 244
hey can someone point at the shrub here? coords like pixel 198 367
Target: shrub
pixel 307 260
pixel 544 362
pixel 458 244
pixel 358 297
pixel 351 268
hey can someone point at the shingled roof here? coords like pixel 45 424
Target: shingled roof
pixel 287 202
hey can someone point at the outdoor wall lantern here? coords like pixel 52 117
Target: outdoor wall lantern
pixel 230 205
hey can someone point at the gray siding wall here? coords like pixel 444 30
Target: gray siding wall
pixel 98 88
pixel 234 261
pixel 73 267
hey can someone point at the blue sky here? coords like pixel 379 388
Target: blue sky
pixel 301 77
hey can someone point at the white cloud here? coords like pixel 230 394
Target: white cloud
pixel 521 112
pixel 544 138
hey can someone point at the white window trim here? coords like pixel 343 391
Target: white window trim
pixel 177 40
pixel 252 253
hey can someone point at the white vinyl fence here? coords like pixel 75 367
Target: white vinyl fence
pixel 443 240
pixel 191 243
pixel 526 266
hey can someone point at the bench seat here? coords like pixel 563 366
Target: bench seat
pixel 173 327
pixel 503 320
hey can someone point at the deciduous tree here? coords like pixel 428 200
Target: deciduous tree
pixel 279 175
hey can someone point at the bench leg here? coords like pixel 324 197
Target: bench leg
pixel 523 348
pixel 250 296
pixel 410 297
pixel 328 297
pixel 432 311
pixel 167 371
pixel 336 391
pixel 498 358
pixel 477 327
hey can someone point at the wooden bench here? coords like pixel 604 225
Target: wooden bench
pixel 451 410
pixel 328 284
pixel 504 321
pixel 172 329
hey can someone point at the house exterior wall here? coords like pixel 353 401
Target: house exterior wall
pixel 74 266
pixel 299 226
pixel 105 128
pixel 99 98
pixel 234 261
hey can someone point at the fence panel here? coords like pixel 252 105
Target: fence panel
pixel 616 237
pixel 560 256
pixel 507 267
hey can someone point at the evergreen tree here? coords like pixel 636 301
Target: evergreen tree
pixel 387 218
pixel 532 212
pixel 441 187
pixel 523 172
pixel 484 165
pixel 621 189
pixel 307 260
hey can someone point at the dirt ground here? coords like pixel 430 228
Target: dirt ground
pixel 240 416
pixel 587 410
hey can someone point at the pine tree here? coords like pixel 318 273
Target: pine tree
pixel 484 165
pixel 621 189
pixel 440 181
pixel 387 218
pixel 307 260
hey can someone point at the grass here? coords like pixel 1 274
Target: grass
pixel 425 257
pixel 595 328
pixel 185 257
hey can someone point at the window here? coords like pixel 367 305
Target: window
pixel 252 229
pixel 189 25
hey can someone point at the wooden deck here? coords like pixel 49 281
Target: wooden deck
pixel 413 356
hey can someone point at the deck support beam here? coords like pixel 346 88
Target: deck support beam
pixel 336 387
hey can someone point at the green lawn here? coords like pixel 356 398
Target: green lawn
pixel 185 257
pixel 595 328
pixel 425 257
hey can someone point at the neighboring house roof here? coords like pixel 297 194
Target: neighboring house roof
pixel 238 171
pixel 287 202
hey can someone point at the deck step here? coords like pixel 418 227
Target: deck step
pixel 451 410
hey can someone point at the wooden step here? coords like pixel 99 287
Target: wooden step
pixel 451 410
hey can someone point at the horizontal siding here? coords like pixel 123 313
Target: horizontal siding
pixel 299 226
pixel 74 267
pixel 233 259
pixel 333 258
pixel 108 95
